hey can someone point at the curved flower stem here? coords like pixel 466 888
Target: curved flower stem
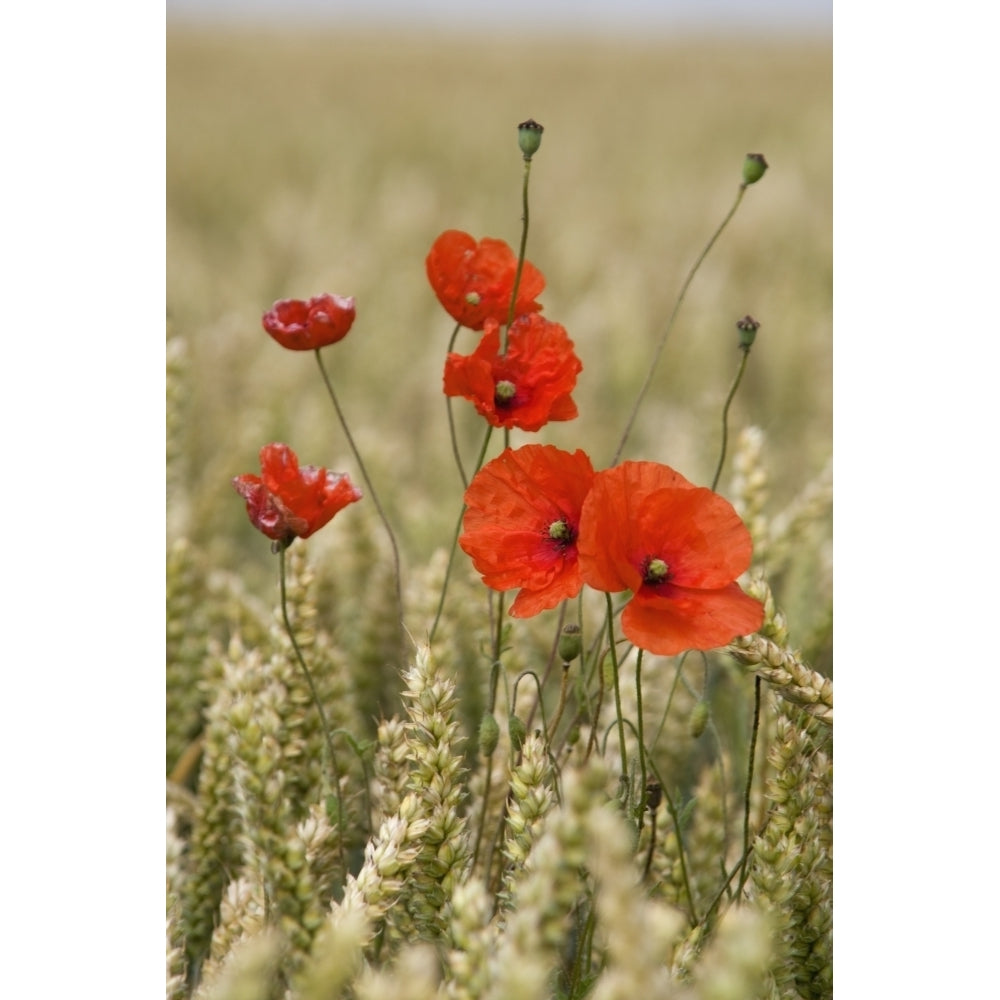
pixel 746 798
pixel 520 257
pixel 368 483
pixel 454 541
pixel 725 412
pixel 560 707
pixel 642 743
pixel 681 853
pixel 617 686
pixel 319 708
pixel 670 322
pixel 670 697
pixel 549 663
pixel 451 418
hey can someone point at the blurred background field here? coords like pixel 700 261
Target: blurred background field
pixel 304 161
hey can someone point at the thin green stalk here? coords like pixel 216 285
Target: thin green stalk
pixel 553 652
pixel 670 322
pixel 670 697
pixel 520 256
pixel 725 412
pixel 368 483
pixel 454 542
pixel 746 798
pixel 617 686
pixel 498 633
pixel 675 816
pixel 642 743
pixel 451 417
pixel 319 708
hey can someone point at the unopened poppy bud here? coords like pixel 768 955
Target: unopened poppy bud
pixel 529 137
pixel 698 719
pixel 569 643
pixel 754 166
pixel 489 735
pixel 608 669
pixel 748 328
pixel 518 732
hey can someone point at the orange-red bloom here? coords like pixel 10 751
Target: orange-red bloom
pixel 521 523
pixel 287 502
pixel 307 326
pixel 475 281
pixel 678 547
pixel 529 385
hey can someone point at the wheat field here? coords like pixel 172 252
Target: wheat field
pixel 432 861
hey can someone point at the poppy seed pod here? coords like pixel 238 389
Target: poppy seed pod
pixel 489 735
pixel 754 166
pixel 529 137
pixel 569 643
pixel 748 328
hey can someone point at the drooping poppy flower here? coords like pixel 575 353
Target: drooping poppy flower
pixel 521 522
pixel 474 281
pixel 529 385
pixel 287 501
pixel 678 547
pixel 308 325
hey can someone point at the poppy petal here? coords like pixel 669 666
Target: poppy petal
pixel 690 619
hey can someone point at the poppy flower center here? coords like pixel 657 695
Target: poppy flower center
pixel 504 392
pixel 473 298
pixel 655 571
pixel 562 533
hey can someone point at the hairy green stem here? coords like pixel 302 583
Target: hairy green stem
pixel 642 744
pixel 451 418
pixel 319 708
pixel 670 322
pixel 520 256
pixel 618 694
pixel 368 483
pixel 725 413
pixel 746 797
pixel 454 542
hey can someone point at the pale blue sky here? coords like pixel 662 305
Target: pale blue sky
pixel 625 16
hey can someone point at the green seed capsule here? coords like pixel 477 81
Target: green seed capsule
pixel 698 719
pixel 489 735
pixel 753 167
pixel 529 137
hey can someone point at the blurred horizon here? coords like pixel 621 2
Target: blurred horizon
pixel 570 17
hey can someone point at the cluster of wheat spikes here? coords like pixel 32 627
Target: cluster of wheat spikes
pixel 455 851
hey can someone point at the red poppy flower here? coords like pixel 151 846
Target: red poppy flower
pixel 474 281
pixel 529 385
pixel 287 502
pixel 521 524
pixel 307 326
pixel 678 547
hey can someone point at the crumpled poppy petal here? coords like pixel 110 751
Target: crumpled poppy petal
pixel 707 544
pixel 690 619
pixel 288 501
pixel 539 371
pixel 307 325
pixel 679 548
pixel 474 281
pixel 511 505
